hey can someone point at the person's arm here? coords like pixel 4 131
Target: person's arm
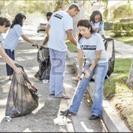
pixel 93 65
pixel 8 60
pixel 101 31
pixel 47 36
pixel 47 30
pixel 95 61
pixel 80 63
pixel 99 48
pixel 71 37
pixel 18 29
pixel 45 40
pixel 26 39
pixel 80 60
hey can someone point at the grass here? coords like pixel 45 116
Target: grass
pixel 119 76
pixel 126 39
pixel 122 65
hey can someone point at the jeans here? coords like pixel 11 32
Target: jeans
pixel 100 73
pixel 57 59
pixel 12 56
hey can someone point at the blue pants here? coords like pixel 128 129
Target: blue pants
pixel 57 59
pixel 12 56
pixel 100 73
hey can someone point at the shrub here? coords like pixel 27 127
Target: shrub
pixel 108 25
pixel 122 11
pixel 105 14
pixel 123 29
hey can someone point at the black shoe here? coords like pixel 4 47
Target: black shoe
pixel 92 80
pixel 52 94
pixel 94 117
pixel 67 113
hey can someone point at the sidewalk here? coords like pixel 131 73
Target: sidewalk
pixel 123 50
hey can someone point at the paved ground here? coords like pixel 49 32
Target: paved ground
pixel 123 50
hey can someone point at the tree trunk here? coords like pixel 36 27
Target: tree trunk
pixel 130 78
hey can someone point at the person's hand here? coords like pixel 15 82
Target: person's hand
pixel 18 70
pixel 87 73
pixel 35 45
pixel 77 78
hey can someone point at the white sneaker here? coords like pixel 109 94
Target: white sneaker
pixel 8 118
pixel 45 81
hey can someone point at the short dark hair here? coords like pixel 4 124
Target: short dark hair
pixel 18 19
pixel 49 14
pixel 4 21
pixel 74 5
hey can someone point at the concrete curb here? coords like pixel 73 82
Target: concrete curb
pixel 110 116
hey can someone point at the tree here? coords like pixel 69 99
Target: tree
pixel 59 4
pixel 106 12
pixel 2 3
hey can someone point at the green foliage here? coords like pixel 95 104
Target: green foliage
pixel 60 3
pixel 109 88
pixel 71 47
pixel 122 66
pixel 36 7
pixel 123 11
pixel 123 29
pixel 121 70
pixel 26 6
pixel 105 14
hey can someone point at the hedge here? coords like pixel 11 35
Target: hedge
pixel 123 29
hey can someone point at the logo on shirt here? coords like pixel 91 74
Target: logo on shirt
pixel 58 16
pixel 88 47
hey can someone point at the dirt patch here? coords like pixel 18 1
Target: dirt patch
pixel 123 103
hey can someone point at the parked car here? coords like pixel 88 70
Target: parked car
pixel 42 27
pixel 110 48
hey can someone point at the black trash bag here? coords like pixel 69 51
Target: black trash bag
pixel 22 97
pixel 110 48
pixel 43 59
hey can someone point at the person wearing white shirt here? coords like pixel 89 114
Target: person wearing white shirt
pixel 59 29
pixel 91 47
pixel 97 22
